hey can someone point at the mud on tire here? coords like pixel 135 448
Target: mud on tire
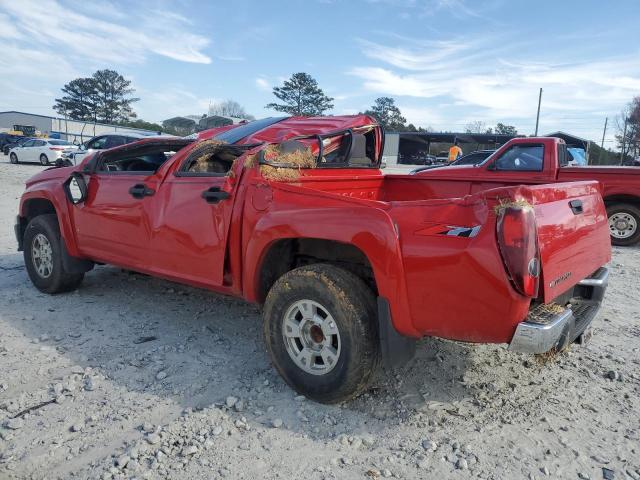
pixel 43 235
pixel 340 297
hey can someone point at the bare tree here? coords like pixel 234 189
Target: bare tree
pixel 229 108
pixel 477 127
pixel 629 139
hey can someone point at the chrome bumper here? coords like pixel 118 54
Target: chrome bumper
pixel 543 331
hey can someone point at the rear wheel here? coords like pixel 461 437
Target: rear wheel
pixel 44 160
pixel 320 330
pixel 43 256
pixel 13 158
pixel 624 224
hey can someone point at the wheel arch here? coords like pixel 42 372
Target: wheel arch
pixel 614 199
pixel 285 254
pixel 358 235
pixel 41 202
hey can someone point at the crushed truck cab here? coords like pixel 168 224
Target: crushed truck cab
pixel 349 265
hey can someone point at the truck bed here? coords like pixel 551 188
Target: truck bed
pixel 450 241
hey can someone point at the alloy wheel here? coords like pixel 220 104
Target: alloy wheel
pixel 311 337
pixel 42 255
pixel 622 225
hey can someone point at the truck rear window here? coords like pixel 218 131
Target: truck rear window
pixel 522 158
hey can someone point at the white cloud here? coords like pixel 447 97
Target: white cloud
pixel 50 25
pixel 263 84
pixel 173 101
pixel 427 58
pixel 472 75
pixel 429 8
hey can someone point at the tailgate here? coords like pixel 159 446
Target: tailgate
pixel 573 233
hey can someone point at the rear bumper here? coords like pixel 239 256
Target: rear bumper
pixel 545 330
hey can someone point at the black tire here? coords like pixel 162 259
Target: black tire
pixel 13 158
pixel 58 279
pixel 625 209
pixel 351 304
pixel 43 159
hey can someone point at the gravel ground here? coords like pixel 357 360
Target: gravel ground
pixel 134 377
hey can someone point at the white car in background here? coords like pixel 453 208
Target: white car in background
pixel 43 150
pixel 101 142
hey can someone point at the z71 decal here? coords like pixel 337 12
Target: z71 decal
pixel 449 230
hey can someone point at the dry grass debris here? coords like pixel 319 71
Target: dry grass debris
pixel 504 203
pixel 251 161
pixel 547 357
pixel 552 308
pixel 298 159
pixel 206 162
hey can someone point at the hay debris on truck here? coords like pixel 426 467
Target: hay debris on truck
pixel 504 203
pixel 289 163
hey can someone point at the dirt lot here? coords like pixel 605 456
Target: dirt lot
pixel 143 378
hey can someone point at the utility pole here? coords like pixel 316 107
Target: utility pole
pixel 624 138
pixel 604 132
pixel 538 115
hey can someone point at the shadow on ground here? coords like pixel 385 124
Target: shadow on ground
pixel 129 327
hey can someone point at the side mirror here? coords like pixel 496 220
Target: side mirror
pixel 76 188
pixel 491 167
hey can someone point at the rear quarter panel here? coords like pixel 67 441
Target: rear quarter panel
pixel 457 286
pixel 291 212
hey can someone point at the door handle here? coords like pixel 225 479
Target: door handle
pixel 140 190
pixel 576 206
pixel 214 195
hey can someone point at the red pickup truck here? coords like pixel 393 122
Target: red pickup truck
pixel 351 266
pixel 532 161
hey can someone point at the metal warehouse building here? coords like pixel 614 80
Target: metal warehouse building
pixel 71 130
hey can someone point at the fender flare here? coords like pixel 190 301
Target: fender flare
pixel 618 195
pixel 60 206
pixel 370 230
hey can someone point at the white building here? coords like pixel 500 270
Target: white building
pixel 71 130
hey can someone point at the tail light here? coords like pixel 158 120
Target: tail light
pixel 59 149
pixel 518 243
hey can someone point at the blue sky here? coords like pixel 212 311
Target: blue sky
pixel 446 62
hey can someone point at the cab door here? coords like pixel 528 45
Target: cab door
pixel 113 222
pixel 191 224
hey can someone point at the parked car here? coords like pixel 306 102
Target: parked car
pixel 442 157
pixel 350 266
pixel 17 142
pixel 418 158
pixel 473 158
pixel 43 150
pixel 101 142
pixel 632 163
pixel 7 139
pixel 532 161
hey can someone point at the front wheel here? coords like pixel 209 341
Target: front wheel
pixel 624 224
pixel 320 331
pixel 43 256
pixel 44 160
pixel 13 158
